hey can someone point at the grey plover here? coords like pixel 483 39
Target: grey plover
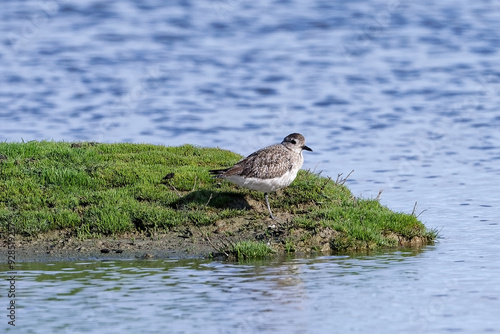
pixel 269 169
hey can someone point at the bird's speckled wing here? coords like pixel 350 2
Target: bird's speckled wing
pixel 267 163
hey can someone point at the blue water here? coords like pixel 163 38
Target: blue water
pixel 405 93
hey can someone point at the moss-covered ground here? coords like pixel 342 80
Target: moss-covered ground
pixel 96 190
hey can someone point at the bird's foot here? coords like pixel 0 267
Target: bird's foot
pixel 275 222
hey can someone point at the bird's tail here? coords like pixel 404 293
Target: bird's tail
pixel 217 172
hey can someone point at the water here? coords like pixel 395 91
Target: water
pixel 406 94
pixel 391 292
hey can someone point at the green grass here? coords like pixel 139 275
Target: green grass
pixel 244 250
pixel 106 189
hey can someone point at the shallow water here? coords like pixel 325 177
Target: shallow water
pixel 297 295
pixel 405 94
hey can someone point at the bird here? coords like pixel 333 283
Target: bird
pixel 268 169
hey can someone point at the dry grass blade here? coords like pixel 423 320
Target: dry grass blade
pixel 414 209
pixel 341 181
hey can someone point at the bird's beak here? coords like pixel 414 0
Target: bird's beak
pixel 306 148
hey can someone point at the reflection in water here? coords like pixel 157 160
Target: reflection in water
pixel 406 291
pixel 191 295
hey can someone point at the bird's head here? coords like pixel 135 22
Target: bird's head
pixel 296 142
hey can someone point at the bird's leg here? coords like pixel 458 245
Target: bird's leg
pixel 268 207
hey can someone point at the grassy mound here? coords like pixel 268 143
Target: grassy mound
pixel 106 189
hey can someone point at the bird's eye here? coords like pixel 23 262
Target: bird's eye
pixel 294 141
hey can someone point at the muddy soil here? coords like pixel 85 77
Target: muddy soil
pixel 186 242
pixel 189 241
